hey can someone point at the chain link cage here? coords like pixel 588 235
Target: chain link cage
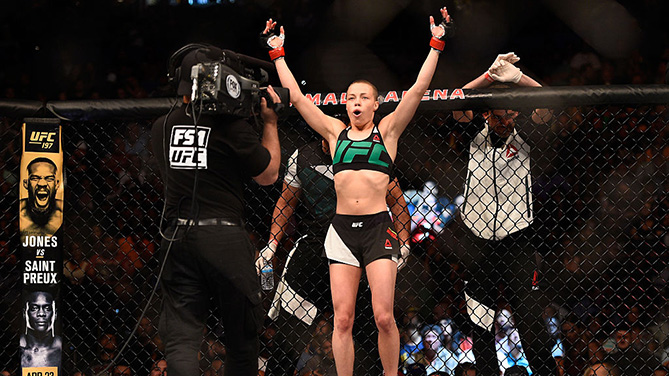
pixel 593 223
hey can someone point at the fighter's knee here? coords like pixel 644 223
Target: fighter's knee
pixel 385 321
pixel 343 322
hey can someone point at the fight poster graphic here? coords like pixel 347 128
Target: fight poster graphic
pixel 40 224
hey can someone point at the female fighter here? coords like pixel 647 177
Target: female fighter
pixel 361 233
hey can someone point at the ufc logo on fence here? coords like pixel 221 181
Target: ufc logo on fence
pixel 184 153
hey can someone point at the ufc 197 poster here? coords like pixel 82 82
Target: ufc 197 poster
pixel 41 189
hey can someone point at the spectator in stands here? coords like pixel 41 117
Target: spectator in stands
pixel 212 348
pixel 76 265
pixel 107 348
pixel 660 332
pixel 661 371
pixel 159 368
pixel 271 356
pixel 412 345
pixel 596 351
pixel 323 361
pixel 516 371
pixel 143 346
pixel 126 255
pixel 585 56
pixel 310 351
pixel 217 368
pixel 604 369
pixel 509 349
pixel 575 356
pixel 104 267
pixel 122 370
pixel 435 355
pixel 465 369
pixel 630 360
pixel 320 330
pixel 415 369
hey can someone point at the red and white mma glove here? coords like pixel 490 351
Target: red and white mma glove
pixel 441 32
pixel 495 68
pixel 274 43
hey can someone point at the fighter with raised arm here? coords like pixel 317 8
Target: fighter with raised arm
pixel 308 194
pixel 361 233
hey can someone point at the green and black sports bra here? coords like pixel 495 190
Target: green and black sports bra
pixel 367 154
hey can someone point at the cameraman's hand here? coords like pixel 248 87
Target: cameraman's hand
pixel 266 255
pixel 268 115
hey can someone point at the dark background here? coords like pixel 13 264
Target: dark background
pixel 600 173
pixel 65 49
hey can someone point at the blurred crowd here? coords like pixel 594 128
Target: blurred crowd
pixel 602 212
pixel 601 201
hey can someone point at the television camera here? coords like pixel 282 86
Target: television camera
pixel 222 81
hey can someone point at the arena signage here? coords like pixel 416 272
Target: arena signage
pixel 41 192
pixel 333 99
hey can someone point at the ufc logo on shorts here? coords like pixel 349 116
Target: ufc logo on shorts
pixel 184 153
pixel 356 224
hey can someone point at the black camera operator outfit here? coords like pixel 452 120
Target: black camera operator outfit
pixel 209 254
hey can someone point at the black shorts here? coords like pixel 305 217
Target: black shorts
pixel 360 239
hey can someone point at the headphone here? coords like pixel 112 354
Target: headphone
pixel 174 62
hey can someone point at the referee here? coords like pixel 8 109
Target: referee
pixel 498 212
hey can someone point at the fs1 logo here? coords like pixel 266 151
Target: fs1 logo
pixel 188 150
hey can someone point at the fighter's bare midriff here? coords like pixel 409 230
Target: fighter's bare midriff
pixel 361 192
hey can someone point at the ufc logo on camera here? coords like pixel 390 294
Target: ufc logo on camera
pixel 184 153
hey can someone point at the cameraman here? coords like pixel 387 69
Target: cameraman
pixel 204 162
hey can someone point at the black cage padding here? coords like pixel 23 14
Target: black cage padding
pixel 475 99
